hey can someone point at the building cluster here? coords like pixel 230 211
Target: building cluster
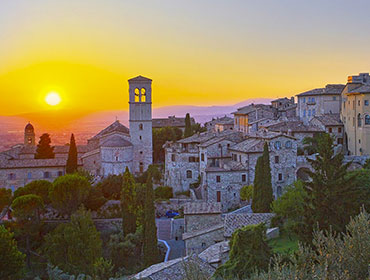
pixel 214 165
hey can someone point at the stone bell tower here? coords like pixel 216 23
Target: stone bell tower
pixel 29 135
pixel 140 92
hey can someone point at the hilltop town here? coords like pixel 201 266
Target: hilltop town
pixel 205 167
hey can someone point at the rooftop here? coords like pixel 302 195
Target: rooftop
pixel 170 121
pixel 293 126
pixel 140 79
pixel 329 119
pixel 116 141
pixel 114 127
pixel 194 208
pixel 236 221
pixel 329 89
pixel 252 107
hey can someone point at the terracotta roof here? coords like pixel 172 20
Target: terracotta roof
pixel 116 141
pixel 139 79
pixel 194 208
pixel 293 126
pixel 170 121
pixel 329 120
pixel 234 221
pixel 361 89
pixel 114 127
pixel 328 90
pixel 192 234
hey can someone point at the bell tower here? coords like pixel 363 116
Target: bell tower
pixel 140 102
pixel 29 135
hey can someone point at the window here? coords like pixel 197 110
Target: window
pixel 46 175
pixel 60 173
pixel 240 158
pixel 277 145
pixel 354 105
pixel 330 130
pixel 203 245
pixel 309 112
pixel 354 121
pixel 340 141
pixel 141 167
pixel 304 112
pixel 344 119
pixel 276 159
pixel 228 145
pixel 313 99
pixel 116 158
pixel 359 120
pixel 29 175
pixel 173 157
pixel 141 152
pixel 141 126
pixel 367 119
pixel 366 102
pixel 280 177
pixel 189 174
pixel 334 98
pixel 288 144
pixel 244 178
pixel 359 102
pixel 202 157
pixel 218 178
pixel 313 112
pixel 304 99
pixel 218 196
pixel 12 176
pixel 339 130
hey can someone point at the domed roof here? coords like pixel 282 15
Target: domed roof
pixel 29 126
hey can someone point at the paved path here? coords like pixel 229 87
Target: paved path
pixel 177 249
pixel 163 228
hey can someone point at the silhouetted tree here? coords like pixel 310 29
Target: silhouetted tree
pixel 262 187
pixel 44 149
pixel 72 156
pixel 188 130
pixel 128 204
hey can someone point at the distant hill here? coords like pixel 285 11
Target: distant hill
pixel 60 124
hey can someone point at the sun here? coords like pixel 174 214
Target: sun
pixel 53 99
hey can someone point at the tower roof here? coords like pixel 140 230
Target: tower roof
pixel 29 126
pixel 139 79
pixel 114 127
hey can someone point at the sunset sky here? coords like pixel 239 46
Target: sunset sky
pixel 197 52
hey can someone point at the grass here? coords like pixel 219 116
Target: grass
pixel 284 244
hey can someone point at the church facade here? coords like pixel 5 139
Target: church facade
pixel 108 152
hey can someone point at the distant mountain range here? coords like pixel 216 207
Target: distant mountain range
pixel 61 123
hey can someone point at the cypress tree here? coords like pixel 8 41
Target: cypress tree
pixel 262 189
pixel 150 230
pixel 188 131
pixel 128 203
pixel 72 156
pixel 44 150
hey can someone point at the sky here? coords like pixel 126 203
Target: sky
pixel 198 52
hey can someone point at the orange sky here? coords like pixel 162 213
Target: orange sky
pixel 197 52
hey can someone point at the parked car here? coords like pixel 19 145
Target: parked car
pixel 171 214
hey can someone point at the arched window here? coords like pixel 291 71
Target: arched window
pixel 367 119
pixel 143 95
pixel 277 145
pixel 137 95
pixel 189 174
pixel 359 120
pixel 288 144
pixel 141 126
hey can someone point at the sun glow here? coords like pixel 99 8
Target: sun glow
pixel 53 99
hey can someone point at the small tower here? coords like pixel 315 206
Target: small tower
pixel 29 135
pixel 140 100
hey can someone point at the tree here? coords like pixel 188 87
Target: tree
pixel 248 251
pixel 150 230
pixel 246 193
pixel 128 204
pixel 95 199
pixel 75 246
pixel 5 201
pixel 44 150
pixel 332 195
pixel 111 186
pixel 38 187
pixel 12 260
pixel 361 181
pixel 163 192
pixel 71 166
pixel 69 192
pixel 262 187
pixel 289 208
pixel 188 131
pixel 160 137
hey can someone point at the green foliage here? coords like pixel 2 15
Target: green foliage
pixel 69 192
pixel 150 249
pixel 332 195
pixel 361 181
pixel 54 273
pixel 334 256
pixel 289 208
pixel 84 173
pixel 185 193
pixel 71 166
pixel 103 269
pixel 74 246
pixel 188 131
pixel 38 187
pixel 262 187
pixel 285 244
pixel 111 187
pixel 27 207
pixel 128 203
pixel 367 164
pixel 197 128
pixel 44 150
pixel 95 200
pixel 248 251
pixel 12 260
pixel 311 144
pixel 163 192
pixel 246 192
pixel 160 137
pixel 5 198
pixel 196 184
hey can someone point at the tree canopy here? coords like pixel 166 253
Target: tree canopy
pixel 128 203
pixel 188 130
pixel 160 137
pixel 44 149
pixel 38 187
pixel 71 166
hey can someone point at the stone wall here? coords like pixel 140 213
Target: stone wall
pixel 197 244
pixel 201 221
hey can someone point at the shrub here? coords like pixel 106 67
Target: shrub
pixel 163 192
pixel 246 193
pixel 185 193
pixel 38 187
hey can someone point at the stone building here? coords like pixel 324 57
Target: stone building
pixel 355 114
pixel 224 124
pixel 109 152
pixel 319 101
pixel 332 125
pixel 171 121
